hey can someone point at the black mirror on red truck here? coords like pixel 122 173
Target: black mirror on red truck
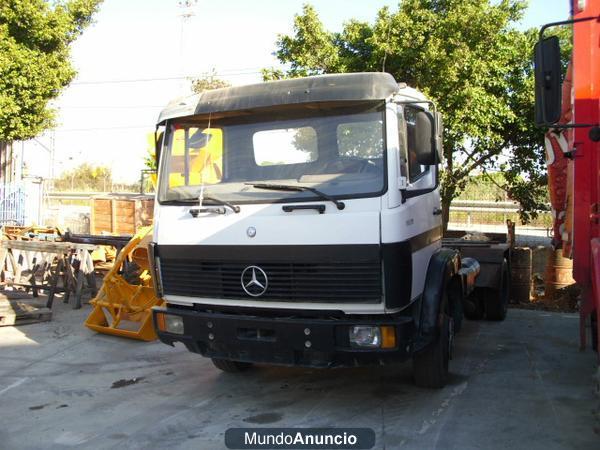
pixel 548 89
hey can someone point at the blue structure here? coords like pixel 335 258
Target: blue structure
pixel 12 204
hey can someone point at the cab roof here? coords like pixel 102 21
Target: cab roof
pixel 367 86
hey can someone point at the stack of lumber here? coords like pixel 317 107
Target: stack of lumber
pixel 17 308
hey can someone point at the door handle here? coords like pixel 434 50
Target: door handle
pixel 290 208
pixel 437 211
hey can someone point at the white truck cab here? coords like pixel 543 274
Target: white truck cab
pixel 298 222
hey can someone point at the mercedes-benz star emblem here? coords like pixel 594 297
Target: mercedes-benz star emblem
pixel 254 281
pixel 251 232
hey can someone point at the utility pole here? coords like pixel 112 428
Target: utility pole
pixel 187 12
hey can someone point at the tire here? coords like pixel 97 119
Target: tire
pixel 457 316
pixel 430 366
pixel 496 300
pixel 477 299
pixel 230 366
pixel 457 308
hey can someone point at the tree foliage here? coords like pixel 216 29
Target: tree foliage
pixel 468 57
pixel 207 82
pixel 35 36
pixel 85 177
pixel 150 159
pixel 91 178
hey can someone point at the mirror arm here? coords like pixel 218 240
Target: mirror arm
pixel 565 22
pixel 541 38
pixel 417 102
pixel 434 130
pixel 434 133
pixel 572 125
pixel 406 193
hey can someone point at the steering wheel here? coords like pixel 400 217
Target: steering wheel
pixel 363 166
pixel 351 165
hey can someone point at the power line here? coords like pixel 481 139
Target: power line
pixel 110 106
pixel 147 80
pixel 132 127
pixel 136 80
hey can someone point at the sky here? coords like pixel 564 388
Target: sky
pixel 131 60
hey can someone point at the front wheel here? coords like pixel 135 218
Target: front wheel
pixel 230 366
pixel 430 366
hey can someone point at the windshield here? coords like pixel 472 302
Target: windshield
pixel 337 150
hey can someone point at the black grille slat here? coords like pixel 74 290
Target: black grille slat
pixel 347 270
pixel 344 282
pixel 325 277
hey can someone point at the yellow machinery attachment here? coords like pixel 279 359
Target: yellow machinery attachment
pixel 123 306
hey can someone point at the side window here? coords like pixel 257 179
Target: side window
pixel 415 170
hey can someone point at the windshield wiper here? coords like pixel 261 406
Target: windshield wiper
pixel 298 188
pixel 210 198
pixel 218 201
pixel 179 201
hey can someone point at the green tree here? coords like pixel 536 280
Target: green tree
pixel 467 56
pixel 207 82
pixel 85 177
pixel 35 36
pixel 150 160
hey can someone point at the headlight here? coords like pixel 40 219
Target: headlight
pixel 373 337
pixel 365 336
pixel 170 323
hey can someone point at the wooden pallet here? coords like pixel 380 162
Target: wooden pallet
pixel 19 311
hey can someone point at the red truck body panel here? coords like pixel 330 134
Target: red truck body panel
pixel 586 107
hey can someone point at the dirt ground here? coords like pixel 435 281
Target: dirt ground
pixel 522 383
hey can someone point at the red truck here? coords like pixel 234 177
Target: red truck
pixel 571 110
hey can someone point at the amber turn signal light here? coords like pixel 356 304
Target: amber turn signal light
pixel 388 337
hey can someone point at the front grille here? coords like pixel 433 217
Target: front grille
pixel 343 282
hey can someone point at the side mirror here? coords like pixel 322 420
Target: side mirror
pixel 158 143
pixel 548 91
pixel 425 141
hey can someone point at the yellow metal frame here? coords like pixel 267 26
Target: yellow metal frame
pixel 120 303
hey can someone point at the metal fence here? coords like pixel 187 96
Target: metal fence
pixel 12 204
pixel 486 216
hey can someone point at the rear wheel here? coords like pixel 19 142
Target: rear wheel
pixel 230 366
pixel 496 300
pixel 473 309
pixel 430 366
